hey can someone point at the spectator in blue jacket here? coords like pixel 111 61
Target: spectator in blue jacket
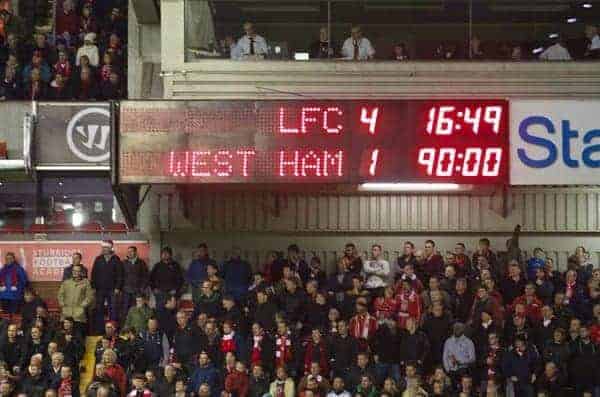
pixel 13 281
pixel 152 345
pixel 521 367
pixel 196 272
pixel 205 372
pixel 538 261
pixel 237 274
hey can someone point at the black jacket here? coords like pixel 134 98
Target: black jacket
pixel 437 330
pixel 187 342
pixel 343 351
pixel 12 353
pixel 511 289
pixel 264 314
pixel 386 345
pixel 164 388
pixel 10 90
pixel 294 305
pixel 551 387
pixel 135 276
pixel 28 311
pixel 461 306
pixel 584 362
pixel 559 354
pixel 237 319
pixel 107 275
pixel 167 277
pixel 258 387
pixel 544 334
pixel 34 387
pixel 267 352
pixel 414 347
pixel 355 373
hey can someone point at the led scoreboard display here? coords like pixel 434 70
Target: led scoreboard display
pixel 345 141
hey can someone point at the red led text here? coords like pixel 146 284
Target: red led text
pixel 311 118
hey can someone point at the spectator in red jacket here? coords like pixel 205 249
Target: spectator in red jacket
pixel 114 371
pixel 386 306
pixel 67 21
pixel 533 306
pixel 66 387
pixel 237 382
pixel 409 304
pixel 63 65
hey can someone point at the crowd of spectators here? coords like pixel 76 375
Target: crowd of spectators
pixel 83 58
pixel 424 324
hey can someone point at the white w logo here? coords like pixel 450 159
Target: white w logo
pixel 95 145
pixel 90 134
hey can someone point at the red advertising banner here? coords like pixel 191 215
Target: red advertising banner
pixel 45 260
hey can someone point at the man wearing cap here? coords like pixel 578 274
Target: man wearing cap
pixel 107 281
pixel 166 278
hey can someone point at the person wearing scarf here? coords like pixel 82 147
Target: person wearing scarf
pixel 230 342
pixel 409 304
pixel 283 345
pixel 261 348
pixel 316 352
pixel 13 281
pixel 362 326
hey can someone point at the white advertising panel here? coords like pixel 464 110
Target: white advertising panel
pixel 555 142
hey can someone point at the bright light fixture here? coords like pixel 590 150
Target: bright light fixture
pixel 408 187
pixel 571 20
pixel 538 50
pixel 77 219
pixel 553 36
pixel 587 5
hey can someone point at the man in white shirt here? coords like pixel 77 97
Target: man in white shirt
pixel 250 46
pixel 593 49
pixel 556 52
pixel 357 47
pixel 377 270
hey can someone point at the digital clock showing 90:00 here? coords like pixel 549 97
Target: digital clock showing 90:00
pixel 318 141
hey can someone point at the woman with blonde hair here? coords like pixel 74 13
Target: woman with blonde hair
pixel 114 371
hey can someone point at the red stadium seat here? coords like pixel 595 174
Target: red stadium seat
pixel 92 227
pixel 12 229
pixel 61 228
pixel 116 228
pixel 36 228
